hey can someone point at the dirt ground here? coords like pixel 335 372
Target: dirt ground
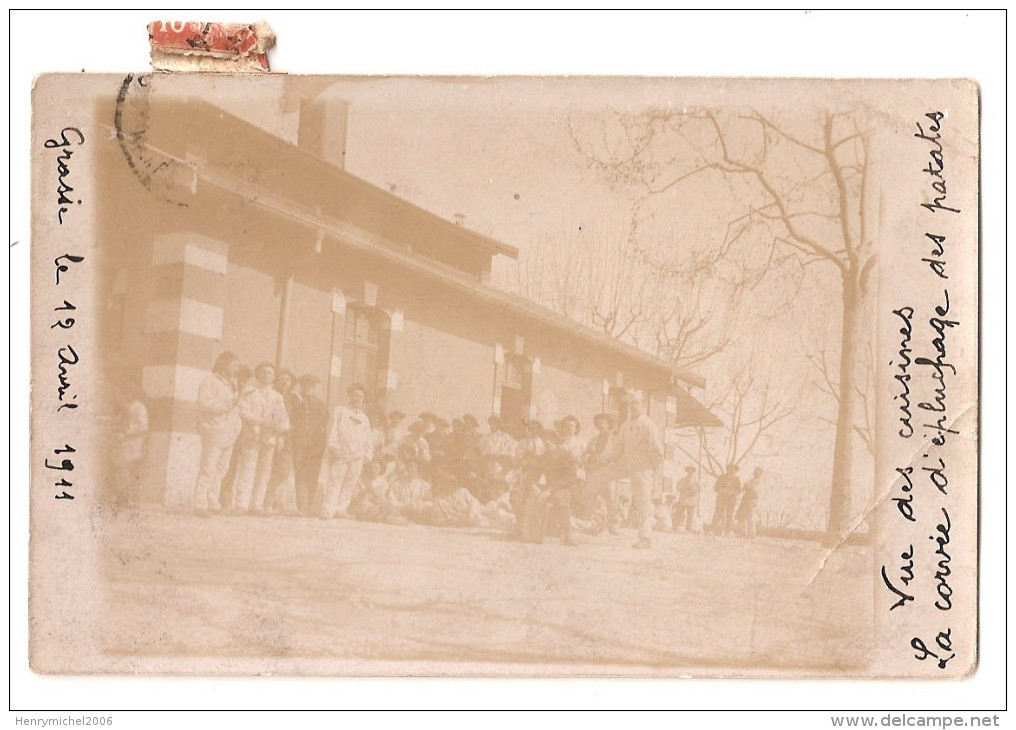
pixel 302 595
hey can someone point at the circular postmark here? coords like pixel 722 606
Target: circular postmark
pixel 160 174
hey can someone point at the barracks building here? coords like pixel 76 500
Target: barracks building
pixel 226 228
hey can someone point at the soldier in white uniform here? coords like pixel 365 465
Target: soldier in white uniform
pixel 637 455
pixel 218 425
pixel 265 420
pixel 350 443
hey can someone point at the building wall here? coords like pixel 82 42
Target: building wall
pixel 442 371
pixel 443 344
pixel 309 331
pixel 250 327
pixel 560 391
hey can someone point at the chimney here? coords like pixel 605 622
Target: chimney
pixel 323 128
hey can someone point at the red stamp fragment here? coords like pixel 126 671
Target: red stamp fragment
pixel 195 46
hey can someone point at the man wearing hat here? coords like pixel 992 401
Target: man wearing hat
pixel 466 462
pixel 570 442
pixel 218 425
pixel 687 500
pixel 641 452
pixel 529 455
pixel 728 489
pixel 638 453
pixel 413 448
pixel 749 504
pixel 560 476
pixel 530 449
pixel 599 452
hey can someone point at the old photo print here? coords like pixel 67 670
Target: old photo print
pixel 504 376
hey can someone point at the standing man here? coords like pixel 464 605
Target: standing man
pixel 219 425
pixel 640 453
pixel 310 418
pixel 687 500
pixel 560 467
pixel 728 487
pixel 265 420
pixel 570 441
pixel 281 492
pixel 350 443
pixel 131 435
pixel 599 453
pixel 749 503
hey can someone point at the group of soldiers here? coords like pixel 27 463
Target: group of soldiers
pixel 736 504
pixel 261 439
pixel 269 444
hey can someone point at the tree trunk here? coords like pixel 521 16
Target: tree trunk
pixel 843 453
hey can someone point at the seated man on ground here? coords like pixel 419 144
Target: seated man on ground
pixel 457 508
pixel 371 503
pixel 407 491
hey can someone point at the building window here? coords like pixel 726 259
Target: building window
pixel 515 389
pixel 364 352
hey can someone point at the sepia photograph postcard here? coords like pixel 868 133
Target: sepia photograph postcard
pixel 504 376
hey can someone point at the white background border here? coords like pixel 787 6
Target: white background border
pixel 789 43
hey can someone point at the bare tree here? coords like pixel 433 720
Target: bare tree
pixel 864 385
pixel 750 406
pixel 634 288
pixel 804 187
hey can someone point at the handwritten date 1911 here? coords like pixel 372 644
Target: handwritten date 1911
pixel 62 465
